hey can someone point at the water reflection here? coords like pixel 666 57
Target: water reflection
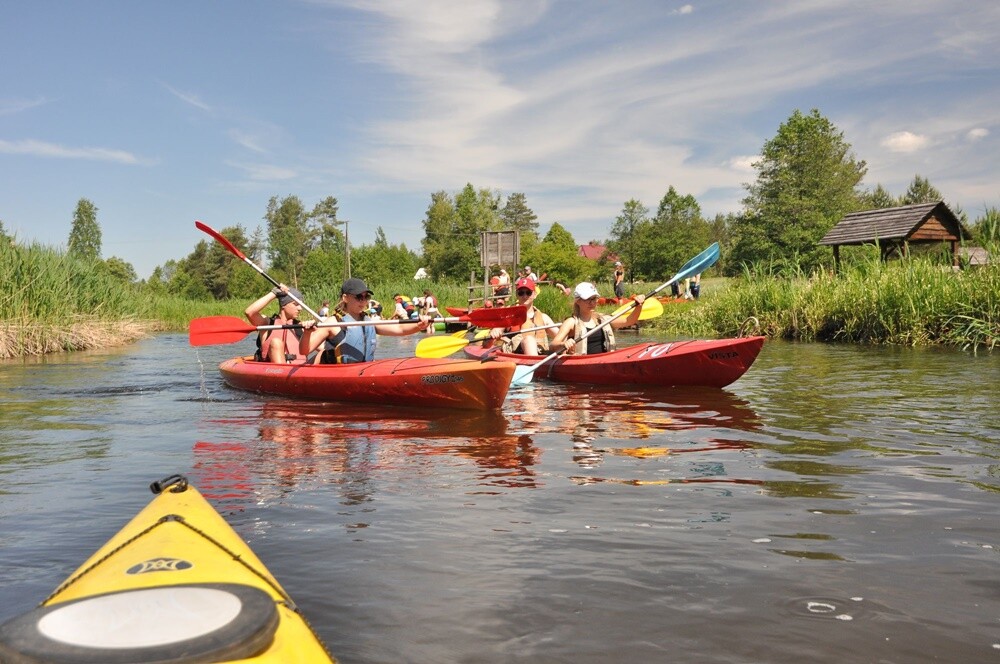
pixel 290 445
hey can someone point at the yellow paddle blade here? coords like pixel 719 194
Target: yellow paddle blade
pixel 651 308
pixel 480 335
pixel 440 346
pixel 458 335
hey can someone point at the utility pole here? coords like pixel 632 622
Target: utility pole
pixel 347 251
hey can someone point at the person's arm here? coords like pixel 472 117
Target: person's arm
pixel 564 337
pixel 497 332
pixel 253 311
pixel 313 336
pixel 633 316
pixel 403 329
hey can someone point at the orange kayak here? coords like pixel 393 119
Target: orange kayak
pixel 410 381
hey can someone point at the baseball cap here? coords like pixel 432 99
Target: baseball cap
pixel 584 290
pixel 618 263
pixel 524 283
pixel 355 286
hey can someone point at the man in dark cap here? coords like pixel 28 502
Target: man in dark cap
pixel 278 346
pixel 356 343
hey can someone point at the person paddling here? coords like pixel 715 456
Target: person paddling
pixel 585 317
pixel 346 345
pixel 532 342
pixel 278 346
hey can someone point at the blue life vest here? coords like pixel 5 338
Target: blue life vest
pixel 353 344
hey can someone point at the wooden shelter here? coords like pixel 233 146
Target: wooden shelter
pixel 893 230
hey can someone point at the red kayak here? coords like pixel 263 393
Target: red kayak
pixel 412 381
pixel 705 363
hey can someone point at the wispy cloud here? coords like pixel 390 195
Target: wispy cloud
pixel 53 150
pixel 188 98
pixel 12 106
pixel 265 172
pixel 246 140
pixel 685 9
pixel 977 134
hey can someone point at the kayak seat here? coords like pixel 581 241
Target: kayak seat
pixel 180 624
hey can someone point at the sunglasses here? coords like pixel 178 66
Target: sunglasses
pixel 524 293
pixel 362 297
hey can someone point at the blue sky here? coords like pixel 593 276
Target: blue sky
pixel 162 113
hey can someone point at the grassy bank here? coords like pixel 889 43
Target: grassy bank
pixel 911 302
pixel 55 303
pixel 52 303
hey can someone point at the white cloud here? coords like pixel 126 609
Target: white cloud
pixel 686 9
pixel 188 98
pixel 12 106
pixel 977 134
pixel 43 149
pixel 904 141
pixel 265 172
pixel 246 140
pixel 743 163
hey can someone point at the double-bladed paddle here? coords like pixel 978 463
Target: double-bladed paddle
pixel 229 329
pixel 696 265
pixel 233 249
pixel 445 346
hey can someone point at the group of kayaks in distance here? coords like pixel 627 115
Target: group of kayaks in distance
pixel 482 381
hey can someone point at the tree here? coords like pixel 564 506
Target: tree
pixel 626 235
pixel 288 236
pixel 920 191
pixel 85 235
pixel 516 215
pixel 670 239
pixel 121 270
pixel 807 180
pixel 558 255
pixel 381 262
pixel 452 230
pixel 878 199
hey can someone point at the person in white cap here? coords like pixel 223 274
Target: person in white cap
pixel 529 274
pixel 619 281
pixel 585 318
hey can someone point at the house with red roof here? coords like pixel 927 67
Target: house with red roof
pixel 593 251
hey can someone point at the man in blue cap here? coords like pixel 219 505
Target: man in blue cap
pixel 356 343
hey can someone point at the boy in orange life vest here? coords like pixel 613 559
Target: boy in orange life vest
pixel 278 346
pixel 529 343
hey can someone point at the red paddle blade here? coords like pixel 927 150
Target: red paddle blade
pixel 221 238
pixel 498 316
pixel 218 330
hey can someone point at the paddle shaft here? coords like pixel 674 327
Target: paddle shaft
pixel 696 265
pixel 239 254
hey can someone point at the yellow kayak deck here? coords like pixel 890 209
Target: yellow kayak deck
pixel 176 584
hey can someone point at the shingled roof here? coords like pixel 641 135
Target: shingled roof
pixel 899 224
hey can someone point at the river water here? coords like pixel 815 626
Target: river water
pixel 836 504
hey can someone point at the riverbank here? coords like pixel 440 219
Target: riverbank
pixel 911 302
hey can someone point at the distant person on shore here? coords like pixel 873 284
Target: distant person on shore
pixel 278 346
pixel 429 309
pixel 619 278
pixel 502 288
pixel 324 310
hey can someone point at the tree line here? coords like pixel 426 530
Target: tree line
pixel 807 179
